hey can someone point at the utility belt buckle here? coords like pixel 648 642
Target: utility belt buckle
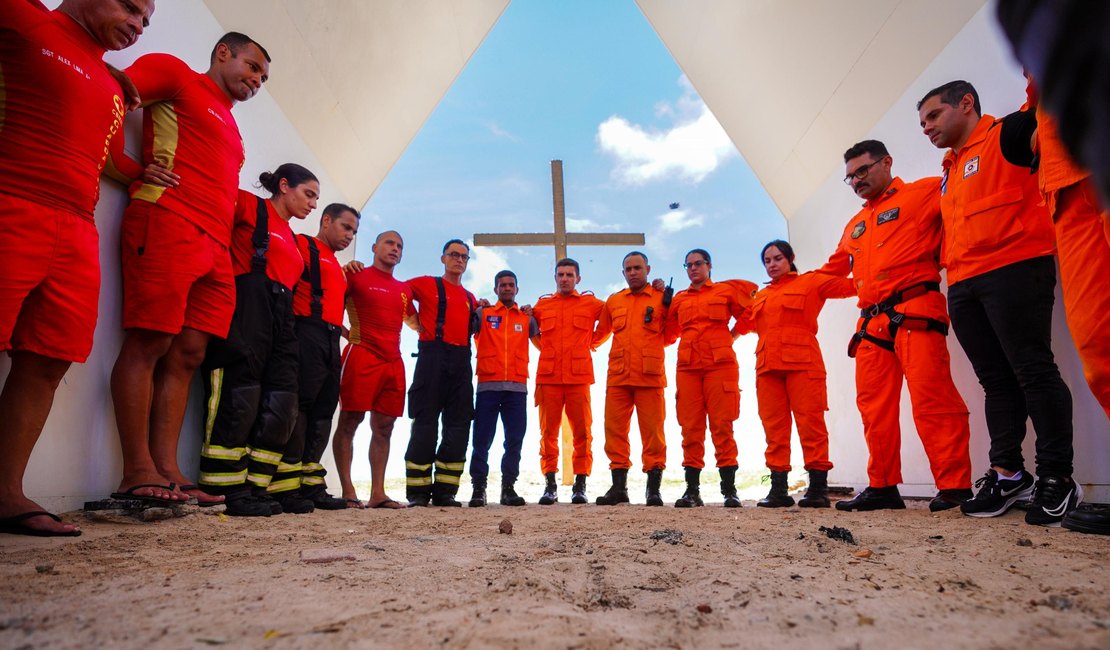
pixel 871 312
pixel 853 344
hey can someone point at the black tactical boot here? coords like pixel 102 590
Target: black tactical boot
pixel 293 503
pixel 692 497
pixel 478 499
pixel 728 487
pixel 261 495
pixel 578 490
pixel 320 498
pixel 874 498
pixel 654 480
pixel 509 497
pixel 817 494
pixel 619 492
pixel 779 496
pixel 550 490
pixel 245 505
pixel 419 499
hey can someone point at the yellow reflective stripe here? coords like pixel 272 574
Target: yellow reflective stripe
pixel 268 457
pixel 452 467
pixel 285 468
pixel 311 467
pixel 422 468
pixel 418 480
pixel 222 478
pixel 164 122
pixel 260 480
pixel 223 453
pixel 285 485
pixel 449 479
pixel 217 382
pixel 312 480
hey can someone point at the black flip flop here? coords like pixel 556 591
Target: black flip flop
pixel 15 526
pixel 386 504
pixel 129 495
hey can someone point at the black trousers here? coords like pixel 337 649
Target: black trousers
pixel 1003 320
pixel 250 388
pixel 318 387
pixel 441 388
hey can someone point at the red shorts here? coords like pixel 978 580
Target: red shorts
pixel 369 383
pixel 49 280
pixel 174 274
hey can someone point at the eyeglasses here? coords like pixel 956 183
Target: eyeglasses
pixel 861 172
pixel 462 257
pixel 695 265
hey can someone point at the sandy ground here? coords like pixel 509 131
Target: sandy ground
pixel 567 576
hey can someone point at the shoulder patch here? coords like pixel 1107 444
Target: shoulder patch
pixel 889 215
pixel 858 230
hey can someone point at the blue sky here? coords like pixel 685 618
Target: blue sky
pixel 591 84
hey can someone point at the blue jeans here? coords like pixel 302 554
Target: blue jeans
pixel 513 408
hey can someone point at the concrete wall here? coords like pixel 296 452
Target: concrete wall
pixel 78 458
pixel 979 55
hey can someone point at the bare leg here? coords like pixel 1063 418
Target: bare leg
pixel 381 429
pixel 25 403
pixel 172 379
pixel 132 388
pixel 343 448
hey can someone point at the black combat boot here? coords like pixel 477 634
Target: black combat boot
pixel 692 497
pixel 320 498
pixel 817 494
pixel 550 490
pixel 619 492
pixel 655 479
pixel 292 502
pixel 728 487
pixel 263 497
pixel 779 496
pixel 509 497
pixel 478 499
pixel 874 498
pixel 578 490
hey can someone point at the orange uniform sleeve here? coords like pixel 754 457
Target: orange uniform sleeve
pixel 831 286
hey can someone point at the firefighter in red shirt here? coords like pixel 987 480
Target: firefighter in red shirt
pixel 61 108
pixel 250 380
pixel 998 249
pixel 318 301
pixel 178 285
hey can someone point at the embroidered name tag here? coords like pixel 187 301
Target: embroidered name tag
pixel 971 167
pixel 889 215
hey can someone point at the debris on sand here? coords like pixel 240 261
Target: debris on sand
pixel 1024 541
pixel 704 608
pixel 324 555
pixel 836 532
pixel 863 553
pixel 505 527
pixel 668 535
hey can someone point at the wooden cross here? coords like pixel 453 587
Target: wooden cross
pixel 560 239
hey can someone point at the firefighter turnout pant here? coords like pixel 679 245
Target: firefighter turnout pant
pixel 250 388
pixel 441 388
pixel 651 410
pixel 713 395
pixel 802 393
pixel 574 399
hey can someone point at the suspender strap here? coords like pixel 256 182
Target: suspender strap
pixel 261 237
pixel 441 308
pixel 311 275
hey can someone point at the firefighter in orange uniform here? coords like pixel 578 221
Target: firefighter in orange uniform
pixel 790 373
pixel 636 317
pixel 891 250
pixel 568 320
pixel 708 378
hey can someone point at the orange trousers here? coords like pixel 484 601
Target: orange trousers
pixel 782 392
pixel 553 400
pixel 938 410
pixel 712 395
pixel 651 410
pixel 1083 242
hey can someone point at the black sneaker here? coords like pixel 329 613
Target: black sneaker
pixel 1092 518
pixel 950 498
pixel 872 498
pixel 247 506
pixel 1054 497
pixel 996 495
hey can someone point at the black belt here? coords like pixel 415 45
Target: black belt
pixel 897 319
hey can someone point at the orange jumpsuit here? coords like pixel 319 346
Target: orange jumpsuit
pixel 565 372
pixel 887 251
pixel 708 378
pixel 790 373
pixel 1083 245
pixel 636 375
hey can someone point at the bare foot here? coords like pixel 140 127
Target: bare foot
pixel 202 497
pixel 20 505
pixel 157 487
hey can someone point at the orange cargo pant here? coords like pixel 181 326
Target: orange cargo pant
pixel 713 395
pixel 939 413
pixel 552 400
pixel 1083 241
pixel 803 393
pixel 651 409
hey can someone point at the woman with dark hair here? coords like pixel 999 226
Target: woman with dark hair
pixel 250 380
pixel 708 377
pixel 790 373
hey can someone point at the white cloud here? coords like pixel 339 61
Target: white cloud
pixel 677 221
pixel 485 262
pixel 692 148
pixel 496 130
pixel 589 225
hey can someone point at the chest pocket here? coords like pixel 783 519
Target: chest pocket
pixel 986 230
pixel 793 306
pixel 620 318
pixel 717 309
